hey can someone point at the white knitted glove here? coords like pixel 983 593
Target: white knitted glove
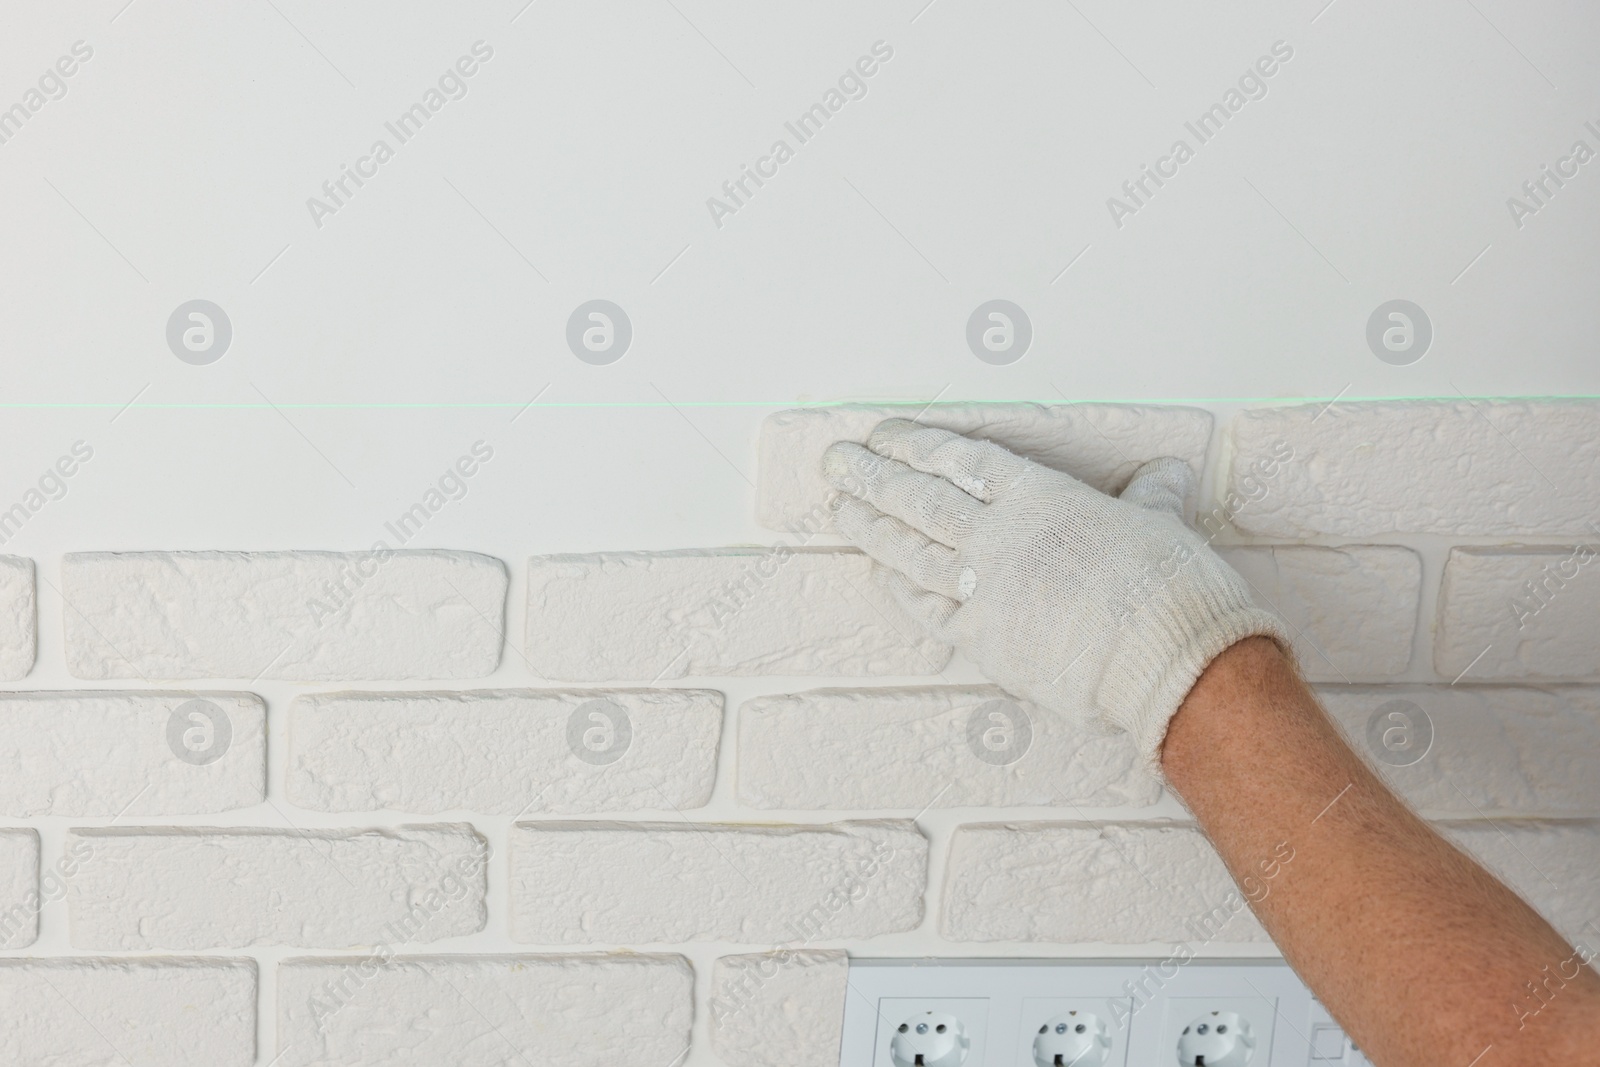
pixel 1104 609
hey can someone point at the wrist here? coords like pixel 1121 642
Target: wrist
pixel 1244 678
pixel 1159 662
pixel 1249 658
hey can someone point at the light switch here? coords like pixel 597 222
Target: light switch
pixel 1327 1043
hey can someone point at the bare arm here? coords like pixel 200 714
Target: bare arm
pixel 1419 953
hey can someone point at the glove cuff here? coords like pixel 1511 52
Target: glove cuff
pixel 1144 704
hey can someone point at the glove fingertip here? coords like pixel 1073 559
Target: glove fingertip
pixel 891 432
pixel 836 463
pixel 1161 484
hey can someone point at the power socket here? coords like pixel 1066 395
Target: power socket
pixel 1042 1036
pixel 1073 1038
pixel 1220 1031
pixel 1139 1006
pixel 930 1039
pixel 931 1031
pixel 1217 1039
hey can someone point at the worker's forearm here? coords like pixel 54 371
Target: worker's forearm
pixel 1421 954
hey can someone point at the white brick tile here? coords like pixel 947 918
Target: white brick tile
pixel 1552 865
pixel 929 745
pixel 309 616
pixel 87 1012
pixel 181 888
pixel 1519 613
pixel 1101 444
pixel 1074 882
pixel 505 752
pixel 634 883
pixel 1495 750
pixel 1352 610
pixel 733 611
pixel 19 889
pixel 1131 883
pixel 107 753
pixel 1456 468
pixel 485 1011
pixel 18 618
pixel 778 1009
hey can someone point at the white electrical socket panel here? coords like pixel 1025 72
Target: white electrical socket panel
pixel 1140 1007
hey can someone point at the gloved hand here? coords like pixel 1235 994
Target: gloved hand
pixel 1104 609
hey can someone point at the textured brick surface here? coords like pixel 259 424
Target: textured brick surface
pixel 1102 444
pixel 19 888
pixel 505 752
pixel 399 963
pixel 1456 468
pixel 152 888
pixel 300 615
pixel 18 618
pixel 1496 750
pixel 88 1012
pixel 119 753
pixel 1133 883
pixel 926 746
pixel 778 1009
pixel 1519 613
pixel 1552 865
pixel 635 883
pixel 654 615
pixel 485 1011
pixel 1353 610
pixel 1123 883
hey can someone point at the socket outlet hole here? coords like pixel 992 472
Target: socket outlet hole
pixel 930 1039
pixel 1217 1039
pixel 1072 1039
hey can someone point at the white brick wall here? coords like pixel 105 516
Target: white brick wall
pixel 653 615
pixel 505 752
pixel 1123 883
pixel 485 1011
pixel 617 819
pixel 1456 467
pixel 1132 883
pixel 309 616
pixel 130 753
pixel 19 888
pixel 1520 613
pixel 937 746
pixel 1496 750
pixel 173 1011
pixel 576 883
pixel 155 888
pixel 18 615
pixel 779 1009
pixel 1352 610
pixel 1101 444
